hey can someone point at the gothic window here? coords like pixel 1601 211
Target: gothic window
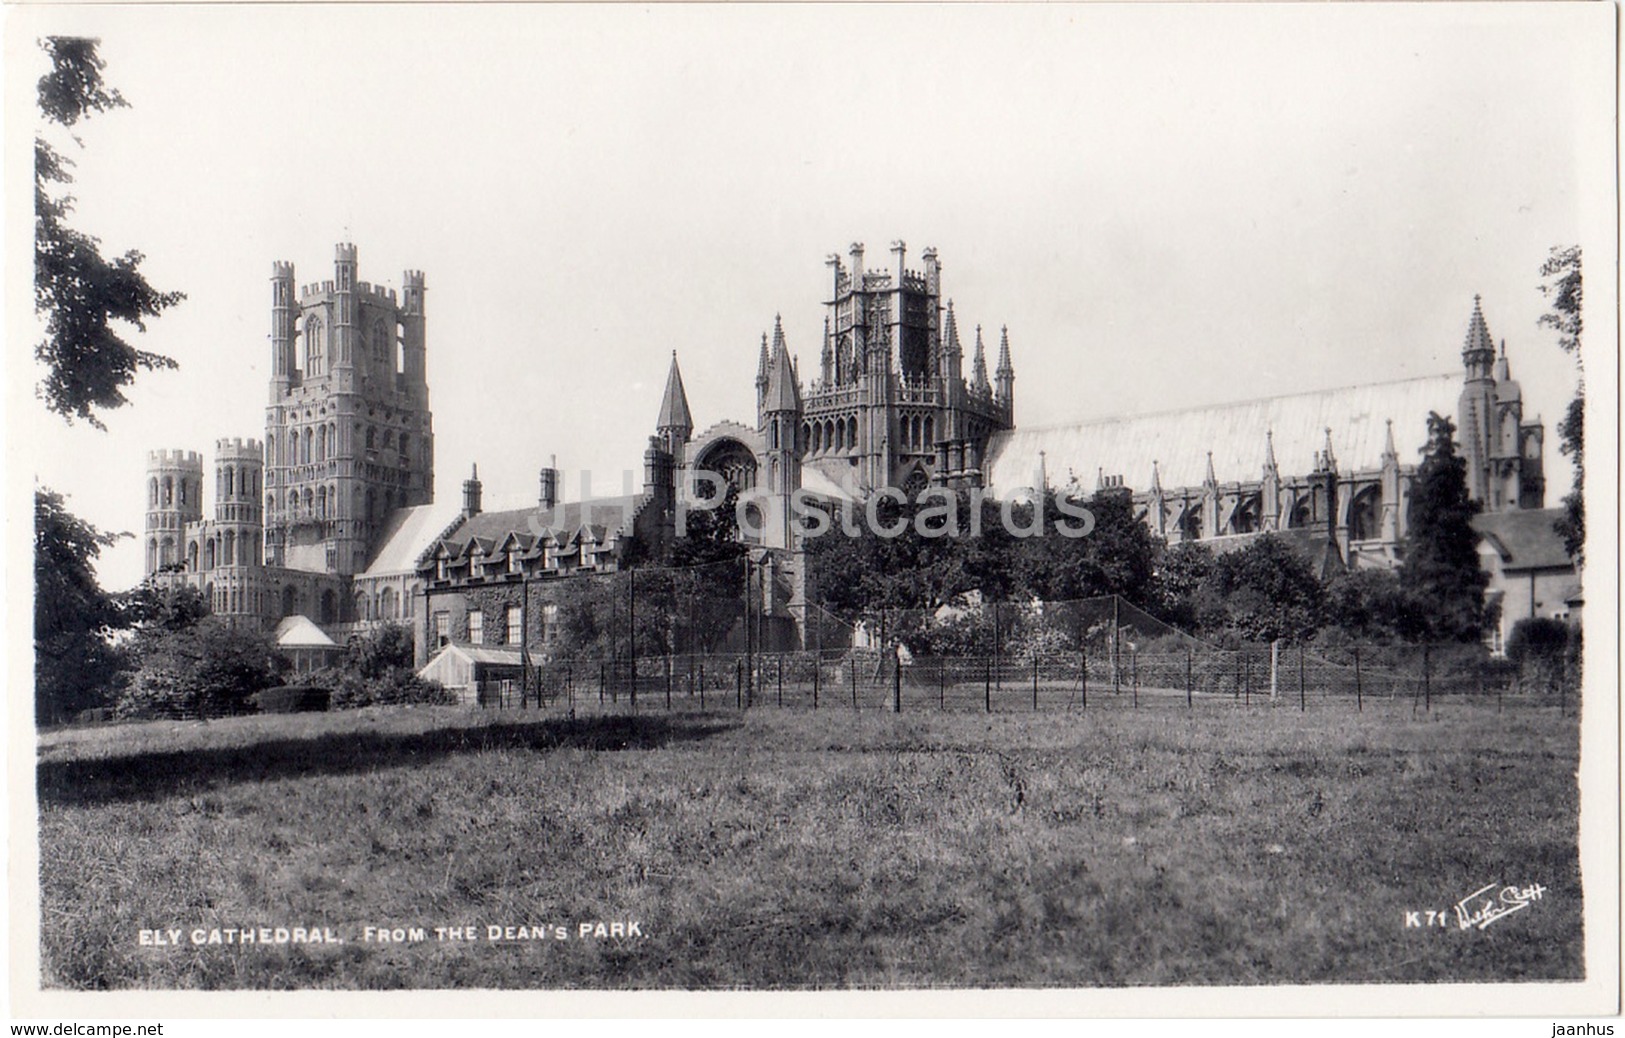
pixel 166 552
pixel 851 432
pixel 405 442
pixel 169 491
pixel 314 346
pixel 1191 524
pixel 321 502
pixel 372 440
pixel 290 600
pixel 229 491
pixel 329 607
pixel 208 553
pixel 320 453
pixel 152 554
pixel 310 502
pixel 930 432
pixel 386 604
pixel 191 556
pixel 152 487
pixel 1303 512
pixel 361 606
pixel 380 342
pixel 1363 524
pixel 231 547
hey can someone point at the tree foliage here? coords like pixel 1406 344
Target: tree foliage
pixel 1564 287
pixel 1266 591
pixel 204 669
pixel 78 291
pixel 376 668
pixel 76 665
pixel 1441 570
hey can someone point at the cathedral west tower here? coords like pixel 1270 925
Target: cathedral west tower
pixel 348 436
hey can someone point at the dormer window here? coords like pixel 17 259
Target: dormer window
pixel 440 568
pixel 514 564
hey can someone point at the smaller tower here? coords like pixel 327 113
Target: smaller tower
pixel 1005 376
pixel 979 380
pixel 174 500
pixel 284 309
pixel 1270 490
pixel 674 425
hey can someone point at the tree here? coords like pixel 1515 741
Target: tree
pixel 1180 576
pixel 206 669
pixel 1267 591
pixel 377 668
pixel 76 666
pixel 1565 288
pixel 1441 570
pixel 77 290
pixel 1371 604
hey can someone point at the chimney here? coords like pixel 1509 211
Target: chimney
pixel 549 494
pixel 471 493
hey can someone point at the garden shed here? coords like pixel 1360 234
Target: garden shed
pixel 470 671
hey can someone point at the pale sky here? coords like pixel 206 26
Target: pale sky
pixel 1168 205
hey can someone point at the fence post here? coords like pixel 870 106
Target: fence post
pixel 1134 673
pixel 896 682
pixel 600 682
pixel 998 675
pixel 1083 677
pixel 852 674
pixel 1303 700
pixel 702 686
pixel 1241 658
pixel 942 685
pixel 1359 690
pixel 987 686
pixel 1427 679
pixel 668 682
pixel 570 685
pixel 1246 679
pixel 633 695
pixel 779 674
pixel 739 684
pixel 1035 682
pixel 818 665
pixel 1188 701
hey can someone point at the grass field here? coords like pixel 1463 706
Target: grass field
pixel 786 849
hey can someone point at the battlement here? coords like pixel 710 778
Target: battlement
pixel 344 252
pixel 413 278
pixel 382 293
pixel 175 459
pixel 237 448
pixel 281 270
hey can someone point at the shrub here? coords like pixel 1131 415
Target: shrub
pixel 1537 637
pixel 292 699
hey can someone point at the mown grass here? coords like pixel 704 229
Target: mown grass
pixel 785 849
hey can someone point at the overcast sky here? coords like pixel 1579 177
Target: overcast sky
pixel 1169 206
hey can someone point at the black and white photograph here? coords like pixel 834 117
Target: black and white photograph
pixel 943 509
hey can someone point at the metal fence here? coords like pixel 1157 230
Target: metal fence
pixel 1419 677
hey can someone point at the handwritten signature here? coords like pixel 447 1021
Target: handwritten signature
pixel 1481 908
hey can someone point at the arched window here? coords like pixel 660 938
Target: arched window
pixel 321 502
pixel 310 502
pixel 329 607
pixel 1363 511
pixel 208 553
pixel 930 432
pixel 372 438
pixel 230 490
pixel 169 491
pixel 231 547
pixel 379 341
pixel 315 344
pixel 191 556
pixel 386 604
pixel 290 601
pixel 405 440
pixel 152 554
pixel 361 606
pixel 152 485
pixel 166 552
pixel 851 432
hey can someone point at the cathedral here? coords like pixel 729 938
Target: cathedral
pixel 331 525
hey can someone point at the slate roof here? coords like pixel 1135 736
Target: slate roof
pixel 1178 442
pixel 1525 539
pixel 603 517
pixel 674 404
pixel 409 533
pixel 498 654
